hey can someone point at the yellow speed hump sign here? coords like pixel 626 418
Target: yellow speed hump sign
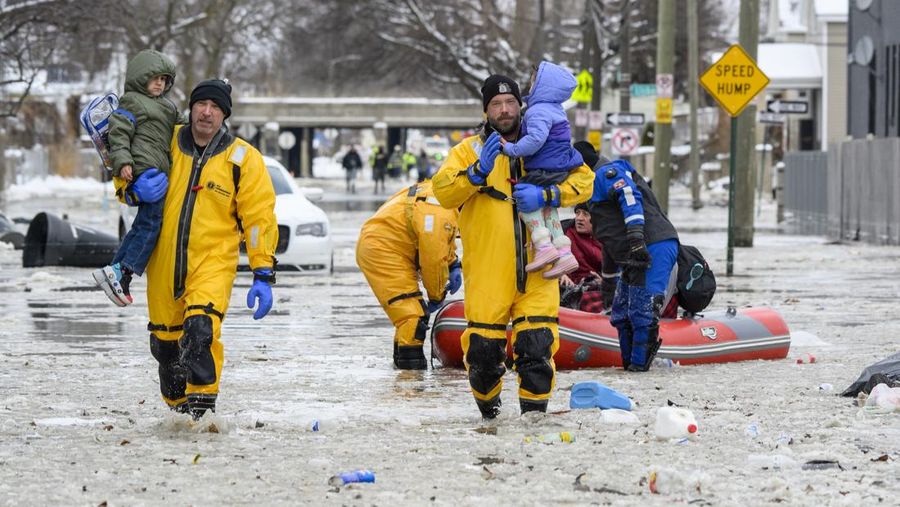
pixel 584 91
pixel 734 80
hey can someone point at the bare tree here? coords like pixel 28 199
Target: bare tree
pixel 28 35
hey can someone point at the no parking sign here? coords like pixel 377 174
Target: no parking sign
pixel 625 141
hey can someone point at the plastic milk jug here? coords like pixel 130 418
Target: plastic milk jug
pixel 596 395
pixel 675 422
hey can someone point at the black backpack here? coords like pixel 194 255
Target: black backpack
pixel 696 283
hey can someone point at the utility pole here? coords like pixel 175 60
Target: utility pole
pixel 587 50
pixel 2 170
pixel 625 63
pixel 597 66
pixel 693 91
pixel 625 56
pixel 745 175
pixel 665 54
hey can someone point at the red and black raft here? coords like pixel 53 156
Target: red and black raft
pixel 587 340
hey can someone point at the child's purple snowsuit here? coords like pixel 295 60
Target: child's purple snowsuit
pixel 546 141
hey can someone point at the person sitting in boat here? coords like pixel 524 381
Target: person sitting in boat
pixel 634 231
pixel 410 238
pixel 583 284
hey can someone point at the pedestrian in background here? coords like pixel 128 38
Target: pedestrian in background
pixel 352 163
pixel 379 161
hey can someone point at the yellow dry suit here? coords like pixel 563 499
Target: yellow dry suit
pixel 410 237
pixel 497 288
pixel 215 200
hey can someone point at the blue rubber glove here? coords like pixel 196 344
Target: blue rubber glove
pixel 433 307
pixel 532 198
pixel 260 291
pixel 454 281
pixel 478 173
pixel 148 188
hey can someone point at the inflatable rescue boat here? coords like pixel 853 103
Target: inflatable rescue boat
pixel 587 340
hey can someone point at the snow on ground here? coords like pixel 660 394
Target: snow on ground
pixel 81 421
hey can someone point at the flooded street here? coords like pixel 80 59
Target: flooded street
pixel 81 421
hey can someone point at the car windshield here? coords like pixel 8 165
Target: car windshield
pixel 278 181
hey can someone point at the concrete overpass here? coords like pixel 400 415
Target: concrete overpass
pixel 358 112
pixel 302 115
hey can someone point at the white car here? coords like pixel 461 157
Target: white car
pixel 304 233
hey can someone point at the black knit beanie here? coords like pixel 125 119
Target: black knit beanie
pixel 217 90
pixel 588 153
pixel 496 84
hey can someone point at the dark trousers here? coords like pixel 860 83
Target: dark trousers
pixel 135 250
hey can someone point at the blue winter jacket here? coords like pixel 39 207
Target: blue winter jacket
pixel 546 141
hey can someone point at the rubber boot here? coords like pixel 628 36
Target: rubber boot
pixel 490 409
pixel 532 405
pixel 409 358
pixel 564 265
pixel 544 251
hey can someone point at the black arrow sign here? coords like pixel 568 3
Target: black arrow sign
pixel 623 119
pixel 787 106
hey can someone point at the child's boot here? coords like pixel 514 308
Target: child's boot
pixel 566 262
pixel 115 281
pixel 544 251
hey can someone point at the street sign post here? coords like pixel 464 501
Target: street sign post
pixel 774 118
pixel 787 106
pixel 595 137
pixel 665 85
pixel 625 141
pixel 584 90
pixel 595 120
pixel 663 110
pixel 581 117
pixel 624 119
pixel 643 89
pixel 734 80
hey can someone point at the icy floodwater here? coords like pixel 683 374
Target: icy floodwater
pixel 81 421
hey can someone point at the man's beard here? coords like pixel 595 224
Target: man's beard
pixel 513 127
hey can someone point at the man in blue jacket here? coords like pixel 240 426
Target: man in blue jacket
pixel 639 239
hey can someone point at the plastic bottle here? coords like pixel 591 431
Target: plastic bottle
pixel 752 430
pixel 550 438
pixel 675 422
pixel 593 394
pixel 355 476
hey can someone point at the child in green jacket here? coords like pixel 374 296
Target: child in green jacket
pixel 140 135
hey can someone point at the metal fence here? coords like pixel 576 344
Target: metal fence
pixel 852 192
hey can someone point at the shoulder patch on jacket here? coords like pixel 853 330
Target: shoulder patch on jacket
pixel 619 184
pixel 238 154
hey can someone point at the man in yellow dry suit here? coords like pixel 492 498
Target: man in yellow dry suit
pixel 410 237
pixel 498 290
pixel 219 192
